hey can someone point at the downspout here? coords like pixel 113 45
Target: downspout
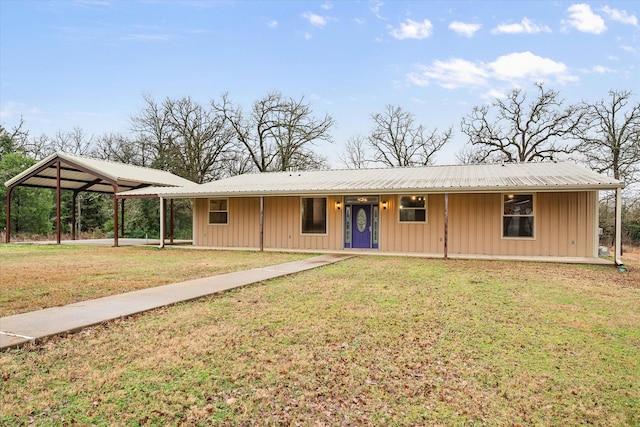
pixel 161 223
pixel 261 223
pixel 618 247
pixel 446 225
pixel 7 237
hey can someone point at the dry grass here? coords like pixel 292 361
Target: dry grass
pixel 368 341
pixel 33 277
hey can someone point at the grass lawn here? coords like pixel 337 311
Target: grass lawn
pixel 33 277
pixel 367 341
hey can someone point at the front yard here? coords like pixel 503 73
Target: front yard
pixel 367 341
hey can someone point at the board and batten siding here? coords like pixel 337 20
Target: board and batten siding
pixel 282 225
pixel 413 237
pixel 565 225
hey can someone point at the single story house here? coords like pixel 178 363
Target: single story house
pixel 513 210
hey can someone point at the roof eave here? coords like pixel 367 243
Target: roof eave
pixel 351 192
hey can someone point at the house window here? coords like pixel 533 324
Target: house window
pixel 218 211
pixel 517 215
pixel 314 215
pixel 413 208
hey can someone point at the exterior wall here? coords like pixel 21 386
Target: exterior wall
pixel 565 224
pixel 428 237
pixel 281 225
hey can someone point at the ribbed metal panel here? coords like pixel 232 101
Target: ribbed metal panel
pixel 432 179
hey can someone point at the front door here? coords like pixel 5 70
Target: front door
pixel 361 226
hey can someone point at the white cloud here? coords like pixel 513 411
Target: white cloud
pixel 620 16
pixel 526 65
pixel 600 69
pixel 514 68
pixel 451 74
pixel 375 9
pixel 526 26
pixel 14 110
pixel 272 24
pixel 315 20
pixel 326 5
pixel 494 94
pixel 413 30
pixel 465 29
pixel 582 18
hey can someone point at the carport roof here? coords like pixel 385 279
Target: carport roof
pixel 86 174
pixel 551 176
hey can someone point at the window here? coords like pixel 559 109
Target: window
pixel 413 208
pixel 517 215
pixel 314 215
pixel 218 211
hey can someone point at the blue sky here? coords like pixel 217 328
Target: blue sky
pixel 87 64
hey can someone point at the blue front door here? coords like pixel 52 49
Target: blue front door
pixel 361 226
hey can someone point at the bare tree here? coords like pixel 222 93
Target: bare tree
pixel 518 131
pixel 182 136
pixel 355 155
pixel 610 136
pixel 73 142
pixel 278 132
pixel 396 140
pixel 13 140
pixel 118 148
pixel 152 131
pixel 199 140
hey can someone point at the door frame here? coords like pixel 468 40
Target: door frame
pixel 349 203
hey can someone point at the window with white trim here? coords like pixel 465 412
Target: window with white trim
pixel 218 211
pixel 517 215
pixel 412 208
pixel 313 215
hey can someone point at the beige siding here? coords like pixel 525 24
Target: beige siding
pixel 243 229
pixel 565 225
pixel 413 237
pixel 281 225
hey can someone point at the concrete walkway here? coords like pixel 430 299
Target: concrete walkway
pixel 30 327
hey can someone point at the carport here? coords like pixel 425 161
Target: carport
pixel 61 171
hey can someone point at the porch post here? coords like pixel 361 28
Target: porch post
pixel 261 223
pixel 446 225
pixel 73 214
pixel 161 223
pixel 618 226
pixel 58 202
pixel 122 218
pixel 171 221
pixel 7 236
pixel 115 215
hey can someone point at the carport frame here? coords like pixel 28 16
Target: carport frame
pixel 99 183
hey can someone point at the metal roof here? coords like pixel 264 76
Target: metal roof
pixel 87 174
pixel 538 177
